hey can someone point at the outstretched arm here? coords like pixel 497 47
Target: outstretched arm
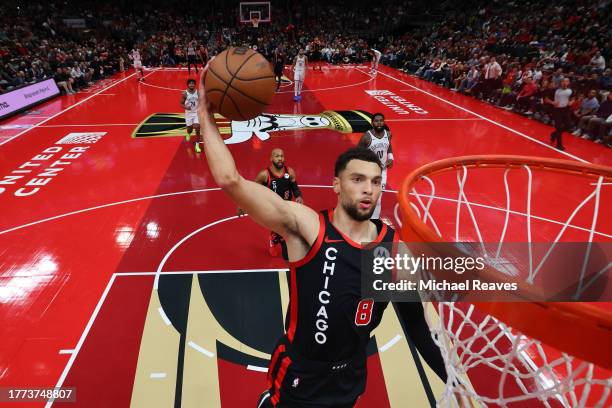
pixel 294 187
pixel 261 178
pixel 365 140
pixel 389 163
pixel 295 222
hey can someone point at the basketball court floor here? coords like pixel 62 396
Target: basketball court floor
pixel 125 273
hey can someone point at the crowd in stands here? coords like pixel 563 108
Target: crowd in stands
pixel 513 54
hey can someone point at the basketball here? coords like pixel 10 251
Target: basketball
pixel 240 83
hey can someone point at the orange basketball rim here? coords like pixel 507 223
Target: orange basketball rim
pixel 580 329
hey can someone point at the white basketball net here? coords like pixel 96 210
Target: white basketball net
pixel 518 369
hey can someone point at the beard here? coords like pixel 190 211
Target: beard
pixel 278 165
pixel 353 210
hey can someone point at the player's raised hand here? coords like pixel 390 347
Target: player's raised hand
pixel 204 106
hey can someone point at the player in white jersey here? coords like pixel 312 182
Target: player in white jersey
pixel 378 139
pixel 137 61
pixel 375 58
pixel 189 102
pixel 300 64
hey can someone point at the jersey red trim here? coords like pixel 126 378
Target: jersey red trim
pixel 315 246
pixel 293 312
pixel 279 379
pixel 269 182
pixel 378 239
pixel 395 249
pixel 280 349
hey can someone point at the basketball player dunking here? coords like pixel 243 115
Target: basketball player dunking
pixel 282 180
pixel 378 140
pixel 135 56
pixel 300 64
pixel 189 102
pixel 279 65
pixel 321 360
pixel 375 59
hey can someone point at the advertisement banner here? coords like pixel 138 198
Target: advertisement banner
pixel 27 96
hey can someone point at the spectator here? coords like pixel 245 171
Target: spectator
pixel 598 62
pixel 588 107
pixel 491 74
pixel 62 81
pixel 596 127
pixel 524 99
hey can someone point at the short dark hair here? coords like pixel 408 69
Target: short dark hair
pixel 190 80
pixel 378 114
pixel 355 153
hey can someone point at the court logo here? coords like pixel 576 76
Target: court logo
pixel 81 138
pixel 233 131
pixel 395 102
pixel 378 93
pixel 33 175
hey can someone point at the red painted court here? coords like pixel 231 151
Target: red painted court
pixel 124 271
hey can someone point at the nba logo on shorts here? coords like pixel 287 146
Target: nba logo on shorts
pixel 296 382
pixel 379 92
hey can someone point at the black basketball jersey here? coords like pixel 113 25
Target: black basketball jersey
pixel 328 319
pixel 279 62
pixel 281 185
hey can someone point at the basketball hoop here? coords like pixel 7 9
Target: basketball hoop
pixel 532 351
pixel 255 22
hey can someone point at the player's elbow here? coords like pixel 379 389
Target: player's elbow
pixel 229 182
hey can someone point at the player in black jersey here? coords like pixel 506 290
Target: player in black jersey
pixel 279 65
pixel 321 360
pixel 282 180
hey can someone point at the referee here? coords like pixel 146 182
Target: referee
pixel 561 112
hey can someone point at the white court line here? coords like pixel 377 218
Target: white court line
pixel 416 120
pixel 105 94
pixel 67 109
pixel 181 241
pixel 158 375
pixel 147 273
pixel 66 351
pixel 301 185
pixel 257 368
pixel 201 349
pixel 93 124
pixel 387 120
pixel 164 316
pixel 76 351
pixel 487 119
pixel 390 343
pixel 151 73
pixel 106 205
pixel 304 90
pixel 73 356
pixel 603 184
